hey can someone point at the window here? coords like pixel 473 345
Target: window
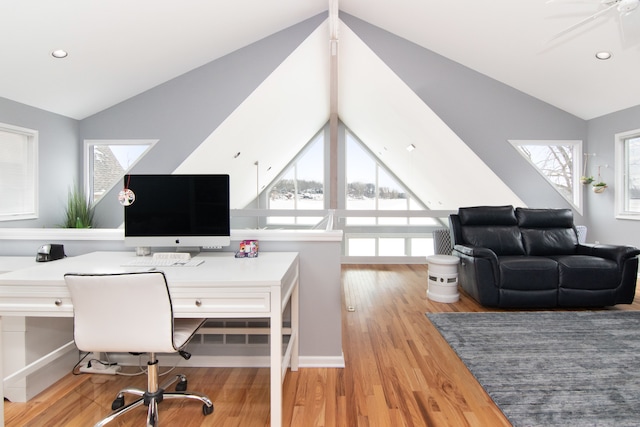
pixel 18 173
pixel 301 186
pixel 108 161
pixel 370 186
pixel 627 151
pixel 384 230
pixel 381 245
pixel 558 162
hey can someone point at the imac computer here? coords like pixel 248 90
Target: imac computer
pixel 185 212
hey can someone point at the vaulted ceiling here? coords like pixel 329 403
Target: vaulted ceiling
pixel 293 103
pixel 120 48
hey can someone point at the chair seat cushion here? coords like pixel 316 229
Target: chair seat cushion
pixel 528 273
pixel 184 329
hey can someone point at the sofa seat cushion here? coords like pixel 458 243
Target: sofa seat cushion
pixel 587 272
pixel 528 273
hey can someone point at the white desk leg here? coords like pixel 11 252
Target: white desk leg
pixel 295 328
pixel 1 378
pixel 276 357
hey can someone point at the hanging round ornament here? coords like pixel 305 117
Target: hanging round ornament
pixel 126 197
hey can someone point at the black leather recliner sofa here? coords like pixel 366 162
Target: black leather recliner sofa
pixel 532 258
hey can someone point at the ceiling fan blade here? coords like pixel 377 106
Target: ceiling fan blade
pixel 629 24
pixel 568 1
pixel 584 21
pixel 625 7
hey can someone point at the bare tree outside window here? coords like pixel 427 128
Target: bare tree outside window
pixel 557 161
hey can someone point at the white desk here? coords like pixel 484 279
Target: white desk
pixel 221 287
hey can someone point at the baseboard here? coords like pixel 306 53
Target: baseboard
pixel 321 362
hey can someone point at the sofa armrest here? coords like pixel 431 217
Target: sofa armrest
pixel 477 252
pixel 479 273
pixel 616 253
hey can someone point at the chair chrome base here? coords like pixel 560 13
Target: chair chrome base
pixel 153 396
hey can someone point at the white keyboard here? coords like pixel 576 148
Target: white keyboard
pixel 162 262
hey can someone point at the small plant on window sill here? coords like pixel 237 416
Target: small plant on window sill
pixel 79 211
pixel 586 180
pixel 599 187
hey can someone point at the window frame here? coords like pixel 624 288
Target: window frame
pixel 621 171
pixel 89 160
pixel 31 167
pixel 578 195
pixel 292 167
pixel 411 201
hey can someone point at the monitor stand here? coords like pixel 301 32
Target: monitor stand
pixel 192 250
pixel 143 250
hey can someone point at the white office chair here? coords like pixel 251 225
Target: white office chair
pixel 132 312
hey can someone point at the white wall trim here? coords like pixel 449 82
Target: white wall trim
pixel 228 361
pixel 117 234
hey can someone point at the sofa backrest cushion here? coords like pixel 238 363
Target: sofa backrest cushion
pixel 543 218
pixel 487 215
pixel 547 231
pixel 493 227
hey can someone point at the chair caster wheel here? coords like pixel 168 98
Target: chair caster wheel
pixel 117 403
pixel 207 410
pixel 181 385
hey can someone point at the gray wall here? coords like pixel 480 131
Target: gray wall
pixel 601 208
pixel 59 159
pixel 483 112
pixel 182 112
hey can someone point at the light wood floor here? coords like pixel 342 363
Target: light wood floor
pixel 399 372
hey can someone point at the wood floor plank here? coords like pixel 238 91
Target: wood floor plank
pixel 399 372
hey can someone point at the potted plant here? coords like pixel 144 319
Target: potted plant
pixel 79 211
pixel 586 179
pixel 599 187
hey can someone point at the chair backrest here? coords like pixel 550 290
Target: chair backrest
pixel 126 312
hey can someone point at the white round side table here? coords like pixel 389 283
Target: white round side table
pixel 443 278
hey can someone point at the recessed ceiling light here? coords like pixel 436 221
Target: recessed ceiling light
pixel 411 147
pixel 604 55
pixel 59 53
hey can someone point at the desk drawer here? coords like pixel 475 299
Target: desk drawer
pixel 223 303
pixel 42 306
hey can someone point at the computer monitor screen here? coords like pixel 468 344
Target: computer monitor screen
pixel 177 211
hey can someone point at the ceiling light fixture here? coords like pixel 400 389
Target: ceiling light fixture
pixel 59 53
pixel 411 147
pixel 603 55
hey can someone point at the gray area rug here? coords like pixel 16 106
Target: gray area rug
pixel 553 368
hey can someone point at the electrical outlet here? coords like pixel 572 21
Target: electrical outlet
pixel 99 368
